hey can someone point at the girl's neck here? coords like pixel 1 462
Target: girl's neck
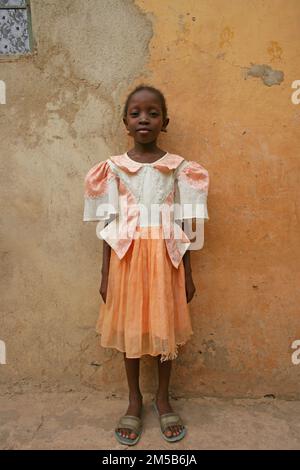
pixel 145 150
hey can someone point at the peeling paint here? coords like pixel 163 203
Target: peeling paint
pixel 269 76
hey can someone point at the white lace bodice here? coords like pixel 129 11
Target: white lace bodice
pixel 150 188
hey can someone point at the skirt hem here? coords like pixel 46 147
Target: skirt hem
pixel 169 356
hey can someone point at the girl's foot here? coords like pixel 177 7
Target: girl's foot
pixel 134 409
pixel 163 406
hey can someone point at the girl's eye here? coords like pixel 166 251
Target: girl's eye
pixel 153 113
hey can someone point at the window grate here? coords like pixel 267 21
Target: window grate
pixel 15 27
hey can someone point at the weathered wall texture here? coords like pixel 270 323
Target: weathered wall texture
pixel 226 69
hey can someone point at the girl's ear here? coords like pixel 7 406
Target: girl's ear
pixel 125 123
pixel 164 127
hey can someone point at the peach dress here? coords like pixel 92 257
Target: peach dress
pixel 146 311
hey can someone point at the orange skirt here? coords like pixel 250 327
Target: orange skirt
pixel 146 311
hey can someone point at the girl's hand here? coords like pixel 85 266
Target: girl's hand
pixel 189 287
pixel 103 286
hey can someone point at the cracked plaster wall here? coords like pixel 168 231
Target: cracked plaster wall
pixel 226 69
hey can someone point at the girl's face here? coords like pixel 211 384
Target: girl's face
pixel 144 119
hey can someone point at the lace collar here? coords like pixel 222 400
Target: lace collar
pixel 167 163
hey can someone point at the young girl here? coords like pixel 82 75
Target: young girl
pixel 146 280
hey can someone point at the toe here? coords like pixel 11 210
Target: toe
pixel 168 432
pixel 178 430
pixel 126 433
pixel 129 434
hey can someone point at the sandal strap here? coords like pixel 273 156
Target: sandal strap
pixel 130 422
pixel 169 419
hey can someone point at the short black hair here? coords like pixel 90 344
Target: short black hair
pixel 154 90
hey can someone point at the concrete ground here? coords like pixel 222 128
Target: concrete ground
pixel 85 420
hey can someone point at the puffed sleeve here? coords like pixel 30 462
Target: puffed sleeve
pixel 101 195
pixel 191 190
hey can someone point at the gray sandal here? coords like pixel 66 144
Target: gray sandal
pixel 169 419
pixel 134 423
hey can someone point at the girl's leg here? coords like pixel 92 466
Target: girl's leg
pixel 162 394
pixel 132 367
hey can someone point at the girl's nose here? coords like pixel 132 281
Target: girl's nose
pixel 144 120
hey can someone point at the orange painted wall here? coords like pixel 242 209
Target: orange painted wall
pixel 226 69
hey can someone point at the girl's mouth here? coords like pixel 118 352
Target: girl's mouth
pixel 144 131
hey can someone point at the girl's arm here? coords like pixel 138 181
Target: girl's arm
pixel 105 256
pixel 189 283
pixel 187 260
pixel 105 268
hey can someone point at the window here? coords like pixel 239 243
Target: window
pixel 15 27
